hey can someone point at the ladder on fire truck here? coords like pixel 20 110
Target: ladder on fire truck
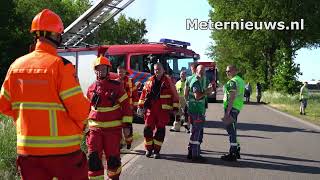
pixel 91 20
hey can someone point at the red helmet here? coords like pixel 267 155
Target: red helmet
pixel 47 20
pixel 101 60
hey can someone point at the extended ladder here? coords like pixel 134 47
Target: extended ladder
pixel 91 20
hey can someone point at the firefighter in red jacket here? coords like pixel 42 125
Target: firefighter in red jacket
pixel 132 93
pixel 109 114
pixel 158 98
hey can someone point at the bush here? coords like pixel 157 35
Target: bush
pixel 8 149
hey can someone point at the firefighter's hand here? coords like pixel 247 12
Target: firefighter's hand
pixel 140 112
pixel 127 129
pixel 128 134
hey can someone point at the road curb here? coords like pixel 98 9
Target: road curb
pixel 128 159
pixel 293 117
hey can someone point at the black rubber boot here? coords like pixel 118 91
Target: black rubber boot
pixel 238 153
pixel 229 157
pixel 148 153
pixel 189 156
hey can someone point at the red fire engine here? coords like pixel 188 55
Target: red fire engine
pixel 138 59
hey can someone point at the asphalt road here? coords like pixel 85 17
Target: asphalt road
pixel 273 146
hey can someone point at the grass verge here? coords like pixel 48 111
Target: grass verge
pixel 290 104
pixel 7 148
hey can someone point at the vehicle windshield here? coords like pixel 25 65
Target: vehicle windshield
pixel 210 74
pixel 116 61
pixel 176 65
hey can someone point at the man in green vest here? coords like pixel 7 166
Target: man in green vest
pixel 304 95
pixel 193 68
pixel 232 103
pixel 196 111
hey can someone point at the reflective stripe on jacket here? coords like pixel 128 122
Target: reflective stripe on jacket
pixel 168 95
pixel 131 90
pixel 113 108
pixel 44 98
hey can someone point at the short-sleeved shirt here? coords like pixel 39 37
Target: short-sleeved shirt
pixel 304 92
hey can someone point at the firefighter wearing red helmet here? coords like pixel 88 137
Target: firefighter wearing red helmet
pixel 46 102
pixel 110 113
pixel 158 99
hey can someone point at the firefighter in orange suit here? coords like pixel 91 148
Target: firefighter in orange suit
pixel 132 92
pixel 158 98
pixel 110 112
pixel 42 94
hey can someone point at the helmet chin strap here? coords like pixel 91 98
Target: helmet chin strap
pixel 56 42
pixel 48 36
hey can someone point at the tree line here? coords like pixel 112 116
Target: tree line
pixel 265 56
pixel 17 16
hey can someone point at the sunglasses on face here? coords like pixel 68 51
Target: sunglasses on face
pixel 228 71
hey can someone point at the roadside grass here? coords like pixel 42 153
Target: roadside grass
pixel 8 151
pixel 290 104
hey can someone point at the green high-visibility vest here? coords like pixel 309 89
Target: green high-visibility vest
pixel 180 87
pixel 196 106
pixel 238 102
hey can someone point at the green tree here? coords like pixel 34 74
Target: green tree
pixel 285 78
pixel 7 35
pixel 256 52
pixel 15 28
pixel 122 31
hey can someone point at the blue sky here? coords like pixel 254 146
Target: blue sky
pixel 167 19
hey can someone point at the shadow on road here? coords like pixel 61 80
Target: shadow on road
pixel 136 152
pixel 239 135
pixel 247 103
pixel 257 127
pixel 251 162
pixel 263 156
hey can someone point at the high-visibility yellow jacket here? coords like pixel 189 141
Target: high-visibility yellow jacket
pixel 42 94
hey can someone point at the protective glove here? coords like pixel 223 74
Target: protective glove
pixel 128 134
pixel 140 112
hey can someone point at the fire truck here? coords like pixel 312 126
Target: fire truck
pixel 212 75
pixel 138 59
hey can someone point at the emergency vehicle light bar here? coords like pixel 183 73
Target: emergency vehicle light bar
pixel 175 42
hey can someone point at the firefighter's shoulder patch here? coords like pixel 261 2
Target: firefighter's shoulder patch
pixel 65 61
